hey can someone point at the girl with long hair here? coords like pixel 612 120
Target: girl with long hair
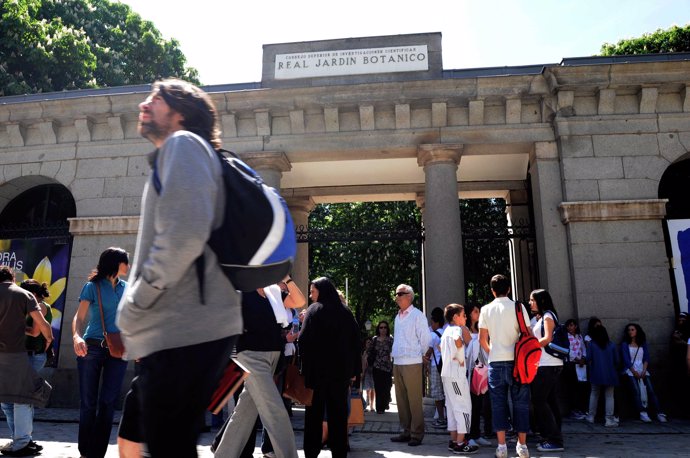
pixel 602 361
pixel 544 386
pixel 100 374
pixel 331 357
pixel 635 355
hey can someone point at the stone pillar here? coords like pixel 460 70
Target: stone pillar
pixel 443 263
pixel 552 238
pixel 299 209
pixel 270 165
pixel 524 269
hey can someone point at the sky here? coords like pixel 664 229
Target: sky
pixel 223 39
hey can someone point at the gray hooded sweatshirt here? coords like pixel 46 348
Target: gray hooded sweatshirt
pixel 162 308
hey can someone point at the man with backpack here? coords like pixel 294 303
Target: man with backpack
pixel 498 332
pixel 180 333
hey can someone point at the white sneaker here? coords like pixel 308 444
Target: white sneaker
pixel 589 418
pixel 522 451
pixel 645 418
pixel 483 442
pixel 502 451
pixel 611 422
pixel 662 418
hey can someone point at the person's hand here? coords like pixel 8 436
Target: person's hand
pixel 291 336
pixel 80 348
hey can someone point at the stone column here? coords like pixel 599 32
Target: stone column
pixel 299 209
pixel 552 238
pixel 270 165
pixel 443 263
pixel 524 270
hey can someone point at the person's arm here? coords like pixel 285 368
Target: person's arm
pixel 80 348
pixel 43 325
pixel 187 194
pixel 295 299
pixel 645 360
pixel 549 325
pixel 466 335
pixel 484 340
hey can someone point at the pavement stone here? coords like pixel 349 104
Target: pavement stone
pixel 56 429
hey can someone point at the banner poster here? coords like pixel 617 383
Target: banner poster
pixel 679 233
pixel 46 260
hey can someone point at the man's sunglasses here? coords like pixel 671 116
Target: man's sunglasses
pixel 401 294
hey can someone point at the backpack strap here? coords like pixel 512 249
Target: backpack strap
pixel 555 319
pixel 520 319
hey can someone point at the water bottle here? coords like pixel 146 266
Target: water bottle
pixel 295 325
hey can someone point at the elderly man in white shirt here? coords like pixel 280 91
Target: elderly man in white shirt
pixel 410 342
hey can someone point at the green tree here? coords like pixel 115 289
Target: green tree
pixel 674 39
pixel 373 263
pixel 54 45
pixel 377 250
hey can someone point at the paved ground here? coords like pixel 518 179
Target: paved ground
pixel 56 430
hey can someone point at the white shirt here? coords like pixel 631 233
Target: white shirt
pixel 499 318
pixel 411 339
pixel 546 359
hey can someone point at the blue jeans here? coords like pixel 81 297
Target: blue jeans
pixel 20 417
pixel 502 385
pixel 652 400
pixel 96 410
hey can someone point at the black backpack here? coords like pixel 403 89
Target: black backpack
pixel 256 243
pixel 559 346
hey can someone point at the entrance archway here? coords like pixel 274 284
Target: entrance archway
pixel 40 211
pixel 673 186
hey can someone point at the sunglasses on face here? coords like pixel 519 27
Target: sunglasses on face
pixel 401 293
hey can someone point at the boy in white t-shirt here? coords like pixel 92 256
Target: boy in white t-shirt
pixel 454 377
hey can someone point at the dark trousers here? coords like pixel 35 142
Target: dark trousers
pixel 333 397
pixel 545 402
pixel 96 409
pixel 578 392
pixel 171 393
pixel 481 407
pixel 382 386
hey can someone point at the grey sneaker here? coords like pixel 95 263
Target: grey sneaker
pixel 662 418
pixel 645 417
pixel 483 442
pixel 522 451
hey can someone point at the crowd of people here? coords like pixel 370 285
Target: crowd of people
pixel 181 321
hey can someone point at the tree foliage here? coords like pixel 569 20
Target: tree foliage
pixel 54 45
pixel 674 39
pixel 375 263
pixel 373 267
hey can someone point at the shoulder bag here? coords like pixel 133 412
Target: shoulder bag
pixel 113 340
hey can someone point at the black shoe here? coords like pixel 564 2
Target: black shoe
pixel 35 446
pixel 26 451
pixel 400 438
pixel 414 442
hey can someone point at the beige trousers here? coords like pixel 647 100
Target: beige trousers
pixel 409 396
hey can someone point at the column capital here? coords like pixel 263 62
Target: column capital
pixel 420 200
pixel 304 204
pixel 272 160
pixel 438 153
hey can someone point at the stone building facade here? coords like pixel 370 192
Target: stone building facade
pixel 583 143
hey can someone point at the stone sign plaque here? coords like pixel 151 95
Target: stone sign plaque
pixel 394 59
